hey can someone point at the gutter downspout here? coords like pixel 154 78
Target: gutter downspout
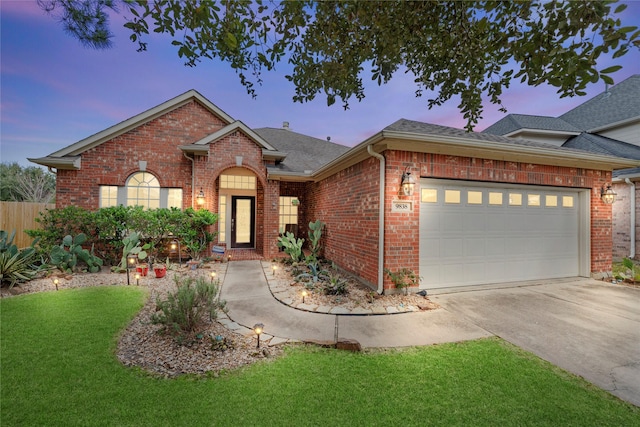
pixel 632 218
pixel 193 179
pixel 381 221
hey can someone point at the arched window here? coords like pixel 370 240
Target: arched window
pixel 143 189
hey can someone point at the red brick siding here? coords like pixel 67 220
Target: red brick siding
pixel 299 190
pixel 348 203
pixel 156 141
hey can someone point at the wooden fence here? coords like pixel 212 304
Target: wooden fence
pixel 21 216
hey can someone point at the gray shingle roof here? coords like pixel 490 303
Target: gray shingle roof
pixel 618 103
pixel 602 145
pixel 304 153
pixel 513 122
pixel 411 126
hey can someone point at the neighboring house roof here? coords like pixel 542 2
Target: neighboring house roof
pixel 616 105
pixel 304 153
pixel 633 174
pixel 520 122
pixel 603 145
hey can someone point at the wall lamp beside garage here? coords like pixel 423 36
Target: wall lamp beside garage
pixel 407 184
pixel 607 194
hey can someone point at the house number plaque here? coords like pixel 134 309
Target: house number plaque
pixel 401 206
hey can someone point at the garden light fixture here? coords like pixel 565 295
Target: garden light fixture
pixel 137 277
pixel 200 198
pixel 304 294
pixel 175 247
pixel 607 194
pixel 258 328
pixel 132 259
pixel 274 268
pixel 55 282
pixel 407 184
pixel 213 276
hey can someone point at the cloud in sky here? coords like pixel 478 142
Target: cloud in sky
pixel 54 92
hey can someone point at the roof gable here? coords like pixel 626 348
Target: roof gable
pixel 202 146
pixel 62 158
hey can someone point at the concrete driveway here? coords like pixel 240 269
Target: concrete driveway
pixel 586 327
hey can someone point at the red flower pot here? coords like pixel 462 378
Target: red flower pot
pixel 160 271
pixel 143 270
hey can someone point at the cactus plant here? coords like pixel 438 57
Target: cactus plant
pixel 69 253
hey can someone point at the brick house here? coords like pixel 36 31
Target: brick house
pixel 476 208
pixel 608 123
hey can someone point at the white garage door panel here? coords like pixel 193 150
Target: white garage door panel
pixel 469 243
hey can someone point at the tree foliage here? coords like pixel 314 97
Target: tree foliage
pixel 30 184
pixel 470 49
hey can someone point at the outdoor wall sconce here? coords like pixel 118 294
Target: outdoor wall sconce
pixel 407 184
pixel 200 198
pixel 607 194
pixel 258 328
pixel 175 247
pixel 132 259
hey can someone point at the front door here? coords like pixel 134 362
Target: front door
pixel 243 221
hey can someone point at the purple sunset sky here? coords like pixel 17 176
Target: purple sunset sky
pixel 54 92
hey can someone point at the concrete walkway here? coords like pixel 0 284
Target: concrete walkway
pixel 249 300
pixel 586 327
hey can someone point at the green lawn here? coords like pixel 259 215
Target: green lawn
pixel 58 368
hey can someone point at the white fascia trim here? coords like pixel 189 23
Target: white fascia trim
pixel 68 163
pixel 615 125
pixel 288 176
pixel 558 133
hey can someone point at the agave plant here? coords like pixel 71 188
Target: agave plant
pixel 16 266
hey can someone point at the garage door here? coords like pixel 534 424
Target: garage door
pixel 480 233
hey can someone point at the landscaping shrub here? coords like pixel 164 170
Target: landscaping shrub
pixel 106 228
pixel 184 311
pixel 193 230
pixel 57 223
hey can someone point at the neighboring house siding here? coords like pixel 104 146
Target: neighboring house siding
pixel 629 133
pixel 155 142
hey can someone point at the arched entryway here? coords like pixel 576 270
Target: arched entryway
pixel 237 193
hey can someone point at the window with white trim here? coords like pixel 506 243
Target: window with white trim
pixel 141 189
pixel 288 212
